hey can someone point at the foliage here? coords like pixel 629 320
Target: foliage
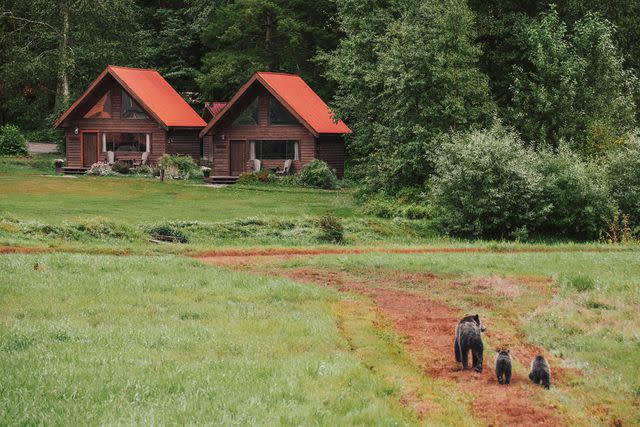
pixel 58 163
pixel 142 170
pixel 165 229
pixel 577 194
pixel 331 229
pixel 206 171
pixel 573 85
pixel 101 169
pixel 405 73
pixel 246 36
pixel 178 167
pixel 121 168
pixel 263 175
pixel 12 141
pixel 318 174
pixel 247 178
pixel 486 185
pixel 624 177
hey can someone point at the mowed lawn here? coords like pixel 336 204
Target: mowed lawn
pixel 30 190
pixel 97 340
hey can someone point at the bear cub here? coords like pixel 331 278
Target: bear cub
pixel 503 367
pixel 469 338
pixel 540 372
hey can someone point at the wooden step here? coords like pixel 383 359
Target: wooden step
pixel 74 171
pixel 221 179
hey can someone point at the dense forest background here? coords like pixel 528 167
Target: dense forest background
pixel 409 77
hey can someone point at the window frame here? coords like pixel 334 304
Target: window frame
pixel 256 149
pixel 254 103
pixel 147 142
pixel 126 95
pixel 273 101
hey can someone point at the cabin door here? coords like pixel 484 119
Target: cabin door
pixel 237 157
pixel 89 148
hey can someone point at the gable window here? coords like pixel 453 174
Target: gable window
pixel 101 109
pixel 278 114
pixel 249 117
pixel 131 109
pixel 273 150
pixel 124 141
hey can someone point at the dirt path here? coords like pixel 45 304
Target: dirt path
pixel 427 327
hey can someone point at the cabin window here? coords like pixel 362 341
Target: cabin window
pixel 120 141
pixel 278 114
pixel 273 150
pixel 249 117
pixel 131 109
pixel 102 108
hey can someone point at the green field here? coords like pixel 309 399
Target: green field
pixel 156 337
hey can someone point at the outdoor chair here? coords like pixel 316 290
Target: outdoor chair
pixel 286 168
pixel 143 159
pixel 257 164
pixel 110 157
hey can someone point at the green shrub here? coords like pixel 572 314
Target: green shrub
pixel 12 141
pixel 318 174
pixel 580 283
pixel 142 170
pixel 120 167
pixel 380 207
pixel 417 211
pixel 247 178
pixel 167 230
pixel 331 229
pixel 290 180
pixel 486 185
pixel 101 169
pixel 179 167
pixel 577 196
pixel 624 178
pixel 263 175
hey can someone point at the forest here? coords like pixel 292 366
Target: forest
pixel 500 118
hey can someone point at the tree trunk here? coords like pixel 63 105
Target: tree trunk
pixel 62 91
pixel 270 23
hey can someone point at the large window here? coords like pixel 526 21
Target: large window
pixel 274 150
pixel 249 117
pixel 278 114
pixel 101 109
pixel 125 141
pixel 131 109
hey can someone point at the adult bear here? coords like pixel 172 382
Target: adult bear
pixel 469 338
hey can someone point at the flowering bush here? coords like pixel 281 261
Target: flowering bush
pixel 178 167
pixel 101 169
pixel 58 163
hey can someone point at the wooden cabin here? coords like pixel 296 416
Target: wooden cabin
pixel 272 118
pixel 129 111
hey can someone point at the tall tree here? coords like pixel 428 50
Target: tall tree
pixel 406 73
pixel 245 36
pixel 572 84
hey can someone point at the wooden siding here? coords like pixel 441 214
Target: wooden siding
pixel 186 141
pixel 330 149
pixel 217 150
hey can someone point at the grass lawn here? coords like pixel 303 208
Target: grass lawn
pixel 334 339
pixel 139 340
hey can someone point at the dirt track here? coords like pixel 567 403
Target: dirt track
pixel 427 326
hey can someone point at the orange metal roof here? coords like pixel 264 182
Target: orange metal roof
pixel 295 95
pixel 153 93
pixel 214 107
pixel 304 101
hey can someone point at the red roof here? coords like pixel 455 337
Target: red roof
pixel 296 96
pixel 215 107
pixel 152 92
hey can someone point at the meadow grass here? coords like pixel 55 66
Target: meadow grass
pixel 148 340
pixel 591 322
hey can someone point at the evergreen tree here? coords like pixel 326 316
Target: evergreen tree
pixel 245 36
pixel 406 74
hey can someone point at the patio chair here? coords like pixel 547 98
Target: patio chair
pixel 286 168
pixel 111 157
pixel 257 164
pixel 143 159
